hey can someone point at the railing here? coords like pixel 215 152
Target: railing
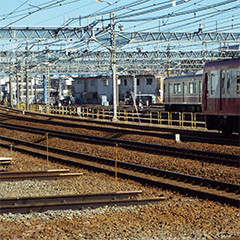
pixel 160 118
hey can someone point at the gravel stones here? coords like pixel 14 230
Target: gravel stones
pixel 177 217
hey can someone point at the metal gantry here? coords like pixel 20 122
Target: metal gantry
pixel 122 38
pixel 97 62
pixel 115 59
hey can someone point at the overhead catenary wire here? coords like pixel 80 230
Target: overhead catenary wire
pixel 39 9
pixel 9 14
pixel 26 12
pixel 173 14
pixel 184 20
pixel 142 12
pixel 124 12
pixel 202 18
pixel 18 13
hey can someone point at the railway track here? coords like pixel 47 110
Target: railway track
pixel 74 202
pixel 130 128
pixel 185 184
pixel 212 157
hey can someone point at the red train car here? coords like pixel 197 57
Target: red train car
pixel 221 95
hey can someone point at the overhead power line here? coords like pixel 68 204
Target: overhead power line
pixel 122 19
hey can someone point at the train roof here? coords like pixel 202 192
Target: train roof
pixel 223 61
pixel 184 77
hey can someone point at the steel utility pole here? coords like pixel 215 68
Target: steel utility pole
pixel 18 91
pixel 22 80
pixel 113 64
pixel 27 79
pixel 47 80
pixel 11 85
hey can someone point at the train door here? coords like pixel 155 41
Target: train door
pixel 222 90
pixel 200 91
pixel 228 84
pixel 183 92
pixel 169 92
pixel 206 94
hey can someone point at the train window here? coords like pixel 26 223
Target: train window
pixel 238 82
pixel 138 81
pixel 170 88
pixel 124 83
pixel 228 82
pixel 200 87
pixel 222 74
pixel 192 87
pixel 177 88
pixel 213 84
pixel 207 83
pixel 185 87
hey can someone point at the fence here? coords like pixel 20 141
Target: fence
pixel 156 117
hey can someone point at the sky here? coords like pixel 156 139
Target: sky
pixel 135 15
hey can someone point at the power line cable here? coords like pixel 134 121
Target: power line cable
pixel 50 5
pixel 207 16
pixel 174 14
pixel 30 13
pixel 15 10
pixel 26 9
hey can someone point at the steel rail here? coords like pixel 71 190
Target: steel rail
pixel 227 187
pixel 75 204
pixel 186 134
pixel 70 198
pixel 35 173
pixel 203 156
pixel 40 176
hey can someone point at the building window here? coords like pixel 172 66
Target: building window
pixel 105 82
pixel 192 87
pixel 93 83
pixel 177 88
pixel 149 81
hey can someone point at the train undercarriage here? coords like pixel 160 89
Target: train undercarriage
pixel 183 108
pixel 226 124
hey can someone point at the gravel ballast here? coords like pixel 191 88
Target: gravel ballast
pixel 177 217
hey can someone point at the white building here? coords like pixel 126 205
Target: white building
pixel 148 87
pixel 99 89
pixel 85 89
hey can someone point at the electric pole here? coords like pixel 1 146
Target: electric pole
pixel 113 64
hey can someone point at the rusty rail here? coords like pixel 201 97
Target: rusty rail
pixel 37 175
pixel 74 202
